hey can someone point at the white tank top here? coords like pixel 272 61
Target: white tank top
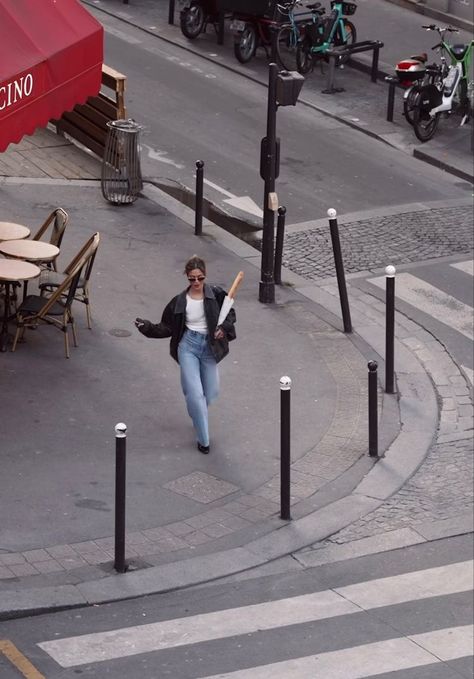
pixel 195 318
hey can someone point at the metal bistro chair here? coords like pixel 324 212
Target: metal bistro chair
pixel 56 309
pixel 49 280
pixel 58 219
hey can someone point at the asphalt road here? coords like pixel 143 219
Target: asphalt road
pixel 192 108
pixel 405 614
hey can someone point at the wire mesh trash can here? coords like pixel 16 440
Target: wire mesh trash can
pixel 121 179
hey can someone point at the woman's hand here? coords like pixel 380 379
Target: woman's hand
pixel 219 334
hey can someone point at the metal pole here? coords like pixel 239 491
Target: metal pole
pixel 120 475
pixel 391 98
pixel 341 280
pixel 279 243
pixel 331 73
pixel 221 28
pixel 199 197
pixel 373 417
pixel 390 328
pixel 267 283
pixel 285 455
pixel 375 63
pixel 171 12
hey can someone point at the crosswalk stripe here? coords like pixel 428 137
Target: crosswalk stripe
pixel 393 590
pixel 360 662
pixel 432 301
pixel 466 267
pixel 119 643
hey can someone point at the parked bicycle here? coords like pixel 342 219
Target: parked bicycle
pixel 292 30
pixel 448 91
pixel 320 37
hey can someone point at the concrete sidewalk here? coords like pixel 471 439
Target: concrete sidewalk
pixel 192 518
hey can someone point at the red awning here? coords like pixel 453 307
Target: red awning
pixel 51 54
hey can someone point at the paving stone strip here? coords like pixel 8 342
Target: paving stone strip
pixel 442 488
pixel 371 243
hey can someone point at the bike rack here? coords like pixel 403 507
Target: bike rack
pixel 335 53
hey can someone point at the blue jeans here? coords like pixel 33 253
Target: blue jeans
pixel 199 380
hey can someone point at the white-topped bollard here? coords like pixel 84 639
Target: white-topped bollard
pixel 341 280
pixel 285 454
pixel 120 479
pixel 390 272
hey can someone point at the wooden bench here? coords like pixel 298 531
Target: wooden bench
pixel 87 123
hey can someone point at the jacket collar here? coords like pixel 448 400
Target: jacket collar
pixel 180 306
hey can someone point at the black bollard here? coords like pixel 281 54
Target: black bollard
pixel 390 329
pixel 120 476
pixel 391 97
pixel 373 416
pixel 341 280
pixel 280 236
pixel 171 12
pixel 285 455
pixel 199 197
pixel 221 28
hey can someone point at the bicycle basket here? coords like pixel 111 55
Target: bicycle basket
pixel 348 8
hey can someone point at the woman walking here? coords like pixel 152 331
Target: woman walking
pixel 197 342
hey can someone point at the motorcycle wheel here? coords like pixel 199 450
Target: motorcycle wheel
pixel 351 38
pixel 424 125
pixel 409 104
pixel 304 57
pixel 192 20
pixel 245 44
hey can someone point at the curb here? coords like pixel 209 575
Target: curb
pixel 417 400
pixel 425 157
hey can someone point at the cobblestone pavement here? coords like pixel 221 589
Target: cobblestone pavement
pixel 441 489
pixel 371 243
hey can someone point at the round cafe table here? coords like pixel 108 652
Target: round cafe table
pixel 29 250
pixel 12 231
pixel 13 271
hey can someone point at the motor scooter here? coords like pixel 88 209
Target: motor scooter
pixel 195 15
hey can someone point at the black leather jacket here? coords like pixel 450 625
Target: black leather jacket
pixel 173 322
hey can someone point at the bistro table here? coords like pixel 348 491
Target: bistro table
pixel 13 271
pixel 29 251
pixel 12 231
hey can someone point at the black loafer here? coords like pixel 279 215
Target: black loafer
pixel 203 449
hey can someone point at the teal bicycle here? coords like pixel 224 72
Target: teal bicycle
pixel 292 30
pixel 320 37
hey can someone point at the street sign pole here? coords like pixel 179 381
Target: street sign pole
pixel 268 163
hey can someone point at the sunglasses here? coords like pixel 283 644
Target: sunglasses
pixel 191 279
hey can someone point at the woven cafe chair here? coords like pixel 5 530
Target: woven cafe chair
pixel 53 310
pixel 57 220
pixel 49 280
